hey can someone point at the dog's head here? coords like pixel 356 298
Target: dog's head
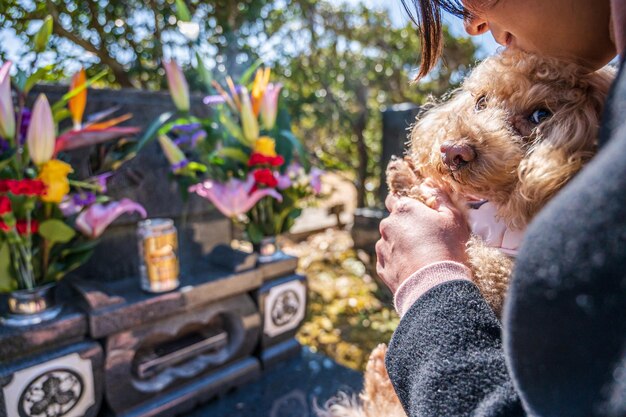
pixel 516 131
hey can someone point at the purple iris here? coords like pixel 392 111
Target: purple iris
pixel 73 204
pixel 84 199
pixel 4 145
pixel 182 164
pixel 26 116
pixel 188 134
pixel 101 180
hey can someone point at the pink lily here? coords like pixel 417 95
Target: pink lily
pixel 93 221
pixel 179 89
pixel 7 112
pixel 234 197
pixel 269 105
pixel 41 132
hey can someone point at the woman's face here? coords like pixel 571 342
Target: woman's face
pixel 577 30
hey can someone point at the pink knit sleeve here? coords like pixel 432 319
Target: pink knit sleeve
pixel 426 278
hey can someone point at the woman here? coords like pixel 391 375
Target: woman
pixel 561 348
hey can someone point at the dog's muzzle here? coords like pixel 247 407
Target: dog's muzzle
pixel 456 155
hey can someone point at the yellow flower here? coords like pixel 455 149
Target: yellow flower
pixel 54 174
pixel 265 146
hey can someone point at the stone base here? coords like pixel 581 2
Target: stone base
pixel 65 382
pixel 272 356
pixel 291 388
pixel 199 391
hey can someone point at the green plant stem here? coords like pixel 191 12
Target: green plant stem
pixel 45 250
pixel 24 272
pixel 29 248
pixel 85 185
pixel 20 157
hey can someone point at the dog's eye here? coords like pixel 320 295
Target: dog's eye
pixel 539 116
pixel 481 103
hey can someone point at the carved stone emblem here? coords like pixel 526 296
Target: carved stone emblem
pixel 52 394
pixel 61 387
pixel 285 307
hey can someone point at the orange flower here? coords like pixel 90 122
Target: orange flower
pixel 261 79
pixel 77 103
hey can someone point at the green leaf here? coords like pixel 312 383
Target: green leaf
pixel 7 281
pixel 42 36
pixel 284 147
pixel 298 146
pixel 254 232
pixel 6 158
pixel 152 130
pixel 36 77
pixel 234 153
pixel 196 167
pixel 61 114
pixel 20 79
pixel 56 231
pixel 245 78
pixel 233 128
pixel 86 246
pixel 204 73
pixel 182 12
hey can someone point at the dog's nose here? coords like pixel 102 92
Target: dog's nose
pixel 456 155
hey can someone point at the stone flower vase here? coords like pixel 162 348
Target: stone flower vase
pixel 28 307
pixel 268 249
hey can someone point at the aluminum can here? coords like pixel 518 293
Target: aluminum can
pixel 158 255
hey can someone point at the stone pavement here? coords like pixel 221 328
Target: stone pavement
pixel 288 390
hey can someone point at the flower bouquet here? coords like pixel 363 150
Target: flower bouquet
pixel 49 220
pixel 244 159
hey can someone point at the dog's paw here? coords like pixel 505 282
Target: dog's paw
pixel 401 178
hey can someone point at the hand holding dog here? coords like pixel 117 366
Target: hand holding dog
pixel 416 235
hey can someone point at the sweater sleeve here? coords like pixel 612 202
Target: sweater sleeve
pixel 446 358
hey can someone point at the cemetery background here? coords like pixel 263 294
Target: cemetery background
pixel 345 70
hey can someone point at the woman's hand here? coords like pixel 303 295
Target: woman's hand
pixel 415 235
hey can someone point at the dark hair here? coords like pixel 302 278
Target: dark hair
pixel 426 14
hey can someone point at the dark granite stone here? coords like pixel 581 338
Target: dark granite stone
pixel 397 120
pixel 365 230
pixel 279 353
pixel 224 256
pixel 70 326
pixel 144 179
pixel 279 265
pixel 282 304
pixel 113 306
pixel 201 390
pixel 146 362
pixel 288 390
pixel 37 382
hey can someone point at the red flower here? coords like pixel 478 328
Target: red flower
pixel 266 177
pixel 23 187
pixel 260 159
pixel 5 205
pixel 22 227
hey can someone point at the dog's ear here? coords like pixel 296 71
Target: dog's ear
pixel 563 145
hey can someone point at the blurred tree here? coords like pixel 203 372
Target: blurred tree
pixel 128 37
pixel 342 65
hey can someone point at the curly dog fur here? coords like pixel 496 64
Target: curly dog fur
pixel 524 126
